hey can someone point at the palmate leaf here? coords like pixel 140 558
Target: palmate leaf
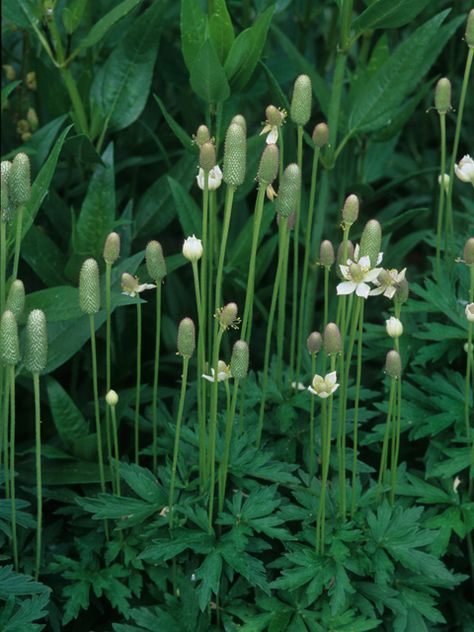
pixel 20 617
pixel 13 583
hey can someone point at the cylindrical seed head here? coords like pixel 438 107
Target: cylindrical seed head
pixel 240 120
pixel 112 248
pixel 202 135
pixel 155 261
pixel 320 135
pixel 112 398
pixel 469 252
pixel 16 298
pixel 5 196
pixel 371 241
pixel 235 155
pixel 350 210
pixel 314 342
pixel 393 364
pixel 301 100
pixel 268 167
pixel 326 253
pixel 19 182
pixel 207 156
pixel 289 191
pixel 443 95
pixel 470 29
pixel 186 338
pixel 36 346
pixel 9 345
pixel 274 116
pixel 239 362
pixel 89 288
pixel 228 315
pixel 332 339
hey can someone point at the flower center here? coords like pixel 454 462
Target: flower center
pixel 357 273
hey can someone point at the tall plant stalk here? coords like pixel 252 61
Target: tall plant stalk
pixel 294 351
pixel 213 428
pixel 200 369
pixel 439 227
pixel 12 463
pixel 108 372
pixel 228 438
pixel 39 485
pixel 388 423
pixel 138 383
pixel 355 441
pixel 156 370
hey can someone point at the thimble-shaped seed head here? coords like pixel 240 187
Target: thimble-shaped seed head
pixel 314 342
pixel 371 241
pixel 301 100
pixel 5 196
pixel 228 315
pixel 207 156
pixel 235 155
pixel 9 346
pixel 268 167
pixel 16 298
pixel 320 135
pixel 112 398
pixel 274 116
pixel 32 119
pixel 155 261
pixel 202 135
pixel 470 29
pixel 443 95
pixel 326 253
pixel 89 289
pixel 393 364
pixel 36 346
pixel 19 182
pixel 332 339
pixel 186 338
pixel 469 252
pixel 240 120
pixel 350 210
pixel 402 292
pixel 289 191
pixel 239 362
pixel 112 248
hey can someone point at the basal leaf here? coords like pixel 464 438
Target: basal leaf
pixel 388 14
pixel 207 76
pixel 193 30
pixel 220 28
pixel 68 419
pixel 106 22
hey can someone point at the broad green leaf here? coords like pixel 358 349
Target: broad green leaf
pixel 72 14
pixel 7 90
pixel 73 473
pixel 113 507
pixel 220 28
pixel 43 257
pixel 42 141
pixel 13 583
pixel 142 482
pixel 209 573
pixel 178 131
pixel 22 618
pixel 68 419
pixel 193 30
pixel 388 14
pixel 207 76
pixel 102 26
pixel 189 213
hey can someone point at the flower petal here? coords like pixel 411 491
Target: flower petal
pixel 346 287
pixel 377 290
pixel 364 261
pixel 323 394
pixel 379 258
pixel 371 275
pixel 363 290
pixel 331 378
pixel 272 136
pixel 345 272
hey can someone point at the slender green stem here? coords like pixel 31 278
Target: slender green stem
pixel 3 264
pixel 213 426
pixel 283 253
pixel 295 352
pixel 12 463
pixel 388 422
pixel 322 500
pixel 326 294
pixel 281 146
pixel 177 436
pixel 138 384
pixel 200 371
pixel 312 446
pixel 19 224
pixel 356 417
pixel 108 378
pixel 228 438
pixel 156 368
pixel 113 416
pixel 439 228
pixel 225 233
pixel 39 486
pixel 396 447
pixel 5 425
pixel 467 390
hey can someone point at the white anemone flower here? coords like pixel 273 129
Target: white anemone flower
pixel 470 312
pixel 192 248
pixel 131 285
pixel 275 120
pixel 324 386
pixel 358 273
pixel 298 387
pixel 387 282
pixel 223 373
pixel 464 169
pixel 214 178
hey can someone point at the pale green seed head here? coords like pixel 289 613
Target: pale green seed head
pixel 16 298
pixel 112 248
pixel 314 342
pixel 320 135
pixel 393 364
pixel 235 155
pixel 470 29
pixel 155 261
pixel 240 120
pixel 5 196
pixel 268 167
pixel 326 254
pixel 186 338
pixel 228 315
pixel 443 95
pixel 207 156
pixel 469 252
pixel 301 101
pixel 332 339
pixel 289 191
pixel 371 241
pixel 239 363
pixel 9 345
pixel 350 210
pixel 36 347
pixel 202 135
pixel 19 182
pixel 89 288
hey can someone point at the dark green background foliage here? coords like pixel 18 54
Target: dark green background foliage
pixel 148 73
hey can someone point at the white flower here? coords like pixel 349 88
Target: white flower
pixel 223 372
pixel 131 285
pixel 457 481
pixel 275 119
pixel 298 387
pixel 192 248
pixel 324 386
pixel 444 179
pixel 464 169
pixel 214 178
pixel 470 312
pixel 112 398
pixel 358 274
pixel 387 282
pixel 394 327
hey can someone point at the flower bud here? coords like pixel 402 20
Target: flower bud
pixel 192 248
pixel 239 362
pixel 235 155
pixel 268 167
pixel 112 398
pixel 301 100
pixel 202 135
pixel 320 135
pixel 6 167
pixel 274 116
pixel 371 241
pixel 16 298
pixel 443 95
pixel 394 327
pixel 326 253
pixel 238 119
pixel 470 29
pixel 443 180
pixel 402 292
pixel 19 182
pixel 89 289
pixel 464 169
pixel 155 261
pixel 186 338
pixel 36 346
pixel 332 339
pixel 469 252
pixel 314 342
pixel 10 72
pixel 207 156
pixel 470 312
pixel 32 119
pixel 289 191
pixel 393 364
pixel 350 210
pixel 228 315
pixel 30 81
pixel 9 345
pixel 112 248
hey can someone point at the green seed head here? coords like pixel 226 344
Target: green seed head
pixel 350 210
pixel 89 289
pixel 326 254
pixel 112 248
pixel 393 364
pixel 207 156
pixel 36 347
pixel 240 120
pixel 274 116
pixel 321 135
pixel 314 342
pixel 235 155
pixel 202 135
pixel 16 298
pixel 228 315
pixel 186 338
pixel 289 191
pixel 155 261
pixel 470 29
pixel 402 292
pixel 443 96
pixel 332 339
pixel 268 168
pixel 19 188
pixel 5 196
pixel 301 101
pixel 112 398
pixel 9 346
pixel 371 241
pixel 239 363
pixel 469 252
